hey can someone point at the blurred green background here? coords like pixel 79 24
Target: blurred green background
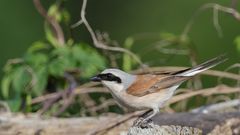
pixel 21 25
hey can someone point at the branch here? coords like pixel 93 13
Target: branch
pixel 221 89
pixel 104 104
pixel 96 42
pixel 109 125
pixel 208 72
pixel 55 25
pixel 76 91
pixel 216 107
pixel 216 8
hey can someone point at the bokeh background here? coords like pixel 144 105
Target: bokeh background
pixel 21 25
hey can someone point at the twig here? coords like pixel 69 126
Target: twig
pixel 109 125
pixel 55 25
pixel 4 107
pixel 216 107
pixel 105 104
pixel 76 91
pixel 236 65
pixel 234 3
pixel 221 89
pixel 208 72
pixel 68 96
pixel 96 42
pixel 216 22
pixel 216 8
pixel 52 95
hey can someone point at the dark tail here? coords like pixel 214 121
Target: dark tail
pixel 202 67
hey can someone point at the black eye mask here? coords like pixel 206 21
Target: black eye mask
pixel 109 77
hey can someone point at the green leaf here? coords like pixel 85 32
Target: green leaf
pixel 79 54
pixel 65 16
pixel 61 51
pixel 127 61
pixel 36 59
pixel 21 79
pixel 11 64
pixel 60 65
pixel 14 104
pixel 88 59
pixel 54 12
pixel 37 46
pixel 28 103
pixel 237 42
pixel 50 36
pixel 41 81
pixel 168 36
pixel 6 82
pixel 61 60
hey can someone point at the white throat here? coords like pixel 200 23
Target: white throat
pixel 126 81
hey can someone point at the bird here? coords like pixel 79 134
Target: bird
pixel 151 90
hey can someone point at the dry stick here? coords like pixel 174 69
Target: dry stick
pixel 105 104
pixel 109 125
pixel 99 44
pixel 208 72
pixel 216 8
pixel 221 89
pixel 236 65
pixel 57 28
pixel 78 89
pixel 234 4
pixel 218 106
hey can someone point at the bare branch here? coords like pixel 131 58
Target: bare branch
pixel 56 27
pixel 109 125
pixel 99 44
pixel 77 24
pixel 216 22
pixel 208 72
pixel 216 107
pixel 76 91
pixel 216 8
pixel 221 89
pixel 104 104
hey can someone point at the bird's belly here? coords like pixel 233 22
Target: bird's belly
pixel 123 101
pixel 153 100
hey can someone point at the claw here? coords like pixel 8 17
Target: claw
pixel 143 123
pixel 138 122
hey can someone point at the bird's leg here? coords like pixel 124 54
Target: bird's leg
pixel 144 115
pixel 143 120
pixel 154 112
pixel 140 119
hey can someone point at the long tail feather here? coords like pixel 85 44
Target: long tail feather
pixel 202 67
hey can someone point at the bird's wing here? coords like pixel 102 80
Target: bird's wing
pixel 146 84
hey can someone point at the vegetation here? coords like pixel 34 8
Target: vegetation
pixel 61 65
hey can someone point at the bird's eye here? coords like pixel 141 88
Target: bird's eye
pixel 110 77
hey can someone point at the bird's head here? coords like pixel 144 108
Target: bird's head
pixel 114 79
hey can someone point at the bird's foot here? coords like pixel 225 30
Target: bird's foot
pixel 142 123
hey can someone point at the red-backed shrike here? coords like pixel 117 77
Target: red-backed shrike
pixel 148 91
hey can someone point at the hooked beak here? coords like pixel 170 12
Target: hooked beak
pixel 96 79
